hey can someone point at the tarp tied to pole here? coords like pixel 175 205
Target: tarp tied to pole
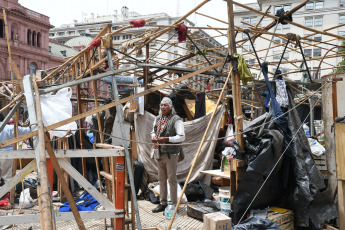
pixel 194 131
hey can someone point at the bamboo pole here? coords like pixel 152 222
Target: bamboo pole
pixel 290 22
pixel 198 151
pixel 235 80
pixel 44 199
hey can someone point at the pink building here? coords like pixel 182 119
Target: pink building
pixel 29 40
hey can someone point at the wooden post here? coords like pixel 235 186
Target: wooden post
pixel 64 184
pixel 44 198
pixel 120 187
pixel 235 79
pixel 340 158
pixel 146 73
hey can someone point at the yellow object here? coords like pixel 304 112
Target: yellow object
pixel 210 107
pixel 280 210
pixel 243 70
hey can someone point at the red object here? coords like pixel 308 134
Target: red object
pixel 208 87
pixel 10 122
pixel 4 202
pixel 137 24
pixel 95 43
pixel 182 32
pixel 120 185
pixel 230 120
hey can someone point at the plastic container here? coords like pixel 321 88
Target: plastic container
pixel 168 213
pixel 224 196
pixel 306 129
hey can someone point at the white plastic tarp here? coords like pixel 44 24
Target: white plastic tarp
pixel 194 131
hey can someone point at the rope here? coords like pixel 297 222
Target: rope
pixel 292 139
pixel 293 37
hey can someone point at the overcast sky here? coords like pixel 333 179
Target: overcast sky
pixel 65 11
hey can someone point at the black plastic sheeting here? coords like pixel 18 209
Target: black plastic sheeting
pixel 256 223
pixel 295 183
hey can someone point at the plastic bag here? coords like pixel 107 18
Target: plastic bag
pixel 229 136
pixel 27 200
pixel 316 148
pixel 179 190
pixel 57 108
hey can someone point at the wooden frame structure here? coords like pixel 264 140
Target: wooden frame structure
pixel 90 65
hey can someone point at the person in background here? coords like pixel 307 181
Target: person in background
pixel 167 128
pixel 6 134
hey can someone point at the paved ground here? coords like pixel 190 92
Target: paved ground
pixel 148 219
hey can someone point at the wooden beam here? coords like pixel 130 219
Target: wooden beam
pixel 107 106
pixel 64 184
pixel 235 79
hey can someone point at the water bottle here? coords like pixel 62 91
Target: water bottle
pixel 306 129
pixel 168 213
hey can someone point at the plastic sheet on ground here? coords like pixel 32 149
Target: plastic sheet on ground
pixel 256 223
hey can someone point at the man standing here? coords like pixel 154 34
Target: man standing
pixel 167 128
pixel 6 134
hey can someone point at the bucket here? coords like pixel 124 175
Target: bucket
pixel 224 195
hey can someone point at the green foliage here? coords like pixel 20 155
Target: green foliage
pixel 342 62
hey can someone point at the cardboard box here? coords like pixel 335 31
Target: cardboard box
pixel 217 221
pixel 283 218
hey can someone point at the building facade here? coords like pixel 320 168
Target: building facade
pixel 92 25
pixel 29 40
pixel 318 14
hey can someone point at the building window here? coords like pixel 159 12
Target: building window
pixel 126 37
pixel 33 68
pixel 308 52
pixel 314 5
pixel 33 38
pixel 29 37
pixel 71 32
pixel 286 55
pixel 317 52
pixel 309 6
pixel 81 31
pixel 341 19
pixel 286 26
pixel 342 2
pixel 285 7
pixel 51 35
pixel 61 33
pixel 38 39
pixel 50 49
pixel 114 28
pixel 313 72
pixel 318 37
pixel 175 53
pixel 116 38
pixel 276 54
pixel 341 33
pixel 309 22
pixel 244 36
pixel 251 20
pixel 318 21
pixel 152 23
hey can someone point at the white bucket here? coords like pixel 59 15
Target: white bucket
pixel 224 195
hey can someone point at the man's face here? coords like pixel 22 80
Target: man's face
pixel 165 108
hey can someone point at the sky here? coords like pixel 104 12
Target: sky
pixel 65 11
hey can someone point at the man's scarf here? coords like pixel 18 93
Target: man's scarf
pixel 161 125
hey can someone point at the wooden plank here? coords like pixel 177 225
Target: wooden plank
pixel 341 203
pixel 85 184
pixel 18 177
pixel 107 106
pixel 216 172
pixel 340 149
pixel 60 216
pixel 63 153
pixel 64 184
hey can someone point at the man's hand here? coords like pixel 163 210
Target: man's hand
pixel 163 139
pixel 154 139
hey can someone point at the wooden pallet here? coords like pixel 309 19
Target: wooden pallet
pixel 321 162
